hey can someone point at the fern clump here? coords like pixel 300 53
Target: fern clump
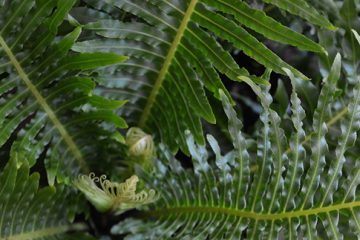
pixel 280 157
pixel 296 190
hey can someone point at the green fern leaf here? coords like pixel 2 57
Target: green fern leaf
pixel 172 58
pixel 46 98
pixel 27 212
pixel 260 22
pixel 295 192
pixel 304 10
pixel 319 145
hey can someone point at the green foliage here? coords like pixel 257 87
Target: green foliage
pixel 27 212
pixel 304 10
pixel 173 57
pixel 70 68
pixel 46 101
pixel 296 191
pixel 344 15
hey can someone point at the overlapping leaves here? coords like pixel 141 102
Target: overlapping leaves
pixel 295 191
pixel 46 102
pixel 27 212
pixel 173 57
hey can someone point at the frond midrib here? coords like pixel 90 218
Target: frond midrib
pixel 251 214
pixel 167 63
pixel 42 101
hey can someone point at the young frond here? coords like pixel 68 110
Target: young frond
pixel 117 197
pixel 140 144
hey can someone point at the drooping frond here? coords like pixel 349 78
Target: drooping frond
pixel 296 191
pixel 46 102
pixel 174 54
pixel 27 212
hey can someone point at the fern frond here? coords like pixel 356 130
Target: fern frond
pixel 46 102
pixel 319 147
pixel 27 212
pixel 304 10
pixel 267 26
pixel 173 57
pixel 298 193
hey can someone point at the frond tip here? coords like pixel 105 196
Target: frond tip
pixel 114 196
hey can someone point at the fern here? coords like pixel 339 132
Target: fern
pixel 29 213
pixel 61 61
pixel 223 199
pixel 172 57
pixel 47 105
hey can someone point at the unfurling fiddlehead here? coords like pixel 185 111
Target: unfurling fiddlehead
pixel 140 147
pixel 113 196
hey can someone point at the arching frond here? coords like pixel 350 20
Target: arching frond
pixel 174 54
pixel 46 102
pixel 295 191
